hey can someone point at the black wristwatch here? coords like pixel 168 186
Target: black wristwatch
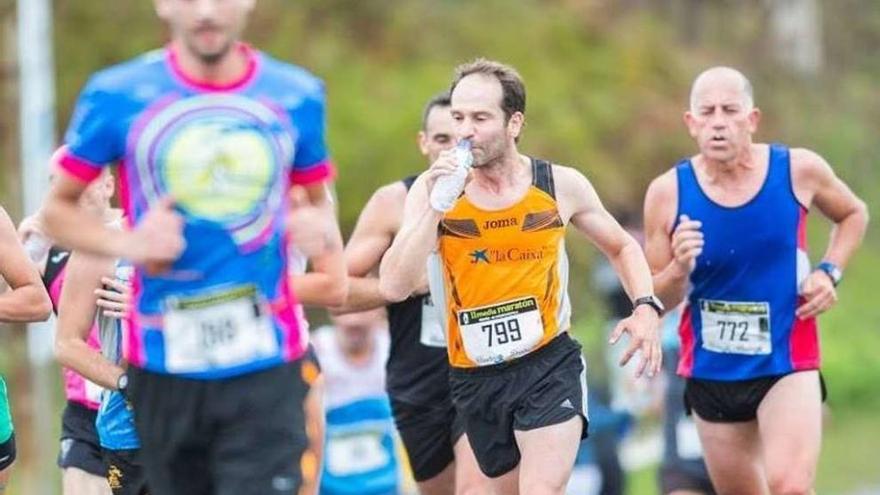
pixel 833 271
pixel 652 301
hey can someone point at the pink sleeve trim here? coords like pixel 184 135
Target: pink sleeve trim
pixel 320 172
pixel 77 167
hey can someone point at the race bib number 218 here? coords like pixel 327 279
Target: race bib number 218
pixel 217 331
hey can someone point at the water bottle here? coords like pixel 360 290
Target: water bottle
pixel 448 188
pixel 37 247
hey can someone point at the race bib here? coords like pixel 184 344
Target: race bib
pixel 93 391
pixel 736 327
pixel 216 331
pixel 432 334
pixel 500 332
pixel 352 454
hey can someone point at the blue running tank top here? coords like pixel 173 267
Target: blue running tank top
pixel 739 319
pixel 361 449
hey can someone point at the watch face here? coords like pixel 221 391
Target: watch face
pixel 652 301
pixel 658 303
pixel 832 270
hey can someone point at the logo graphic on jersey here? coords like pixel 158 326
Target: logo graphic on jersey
pixel 508 255
pixel 221 157
pixel 542 220
pixel 59 257
pixel 114 477
pixel 463 228
pixel 479 255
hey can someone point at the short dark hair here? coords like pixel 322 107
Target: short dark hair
pixel 513 90
pixel 438 100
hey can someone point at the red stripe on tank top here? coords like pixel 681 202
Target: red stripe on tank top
pixel 686 334
pixel 804 337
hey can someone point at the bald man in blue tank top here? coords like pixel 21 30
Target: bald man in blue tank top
pixel 726 234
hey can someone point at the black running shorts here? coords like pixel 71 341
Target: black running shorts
pixel 543 388
pixel 80 447
pixel 429 434
pixel 237 436
pixel 125 472
pixel 7 452
pixel 731 402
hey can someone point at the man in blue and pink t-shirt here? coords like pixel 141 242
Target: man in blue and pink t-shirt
pixel 208 136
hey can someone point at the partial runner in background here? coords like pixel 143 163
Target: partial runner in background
pixel 79 457
pixel 23 299
pixel 360 454
pixel 682 470
pixel 317 279
pixel 417 380
pixel 95 298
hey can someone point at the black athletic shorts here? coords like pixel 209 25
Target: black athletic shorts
pixel 80 447
pixel 543 388
pixel 125 473
pixel 243 435
pixel 7 452
pixel 731 402
pixel 429 434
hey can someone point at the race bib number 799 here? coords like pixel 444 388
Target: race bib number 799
pixel 500 332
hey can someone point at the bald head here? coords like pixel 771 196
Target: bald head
pixel 722 77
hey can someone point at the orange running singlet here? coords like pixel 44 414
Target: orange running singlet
pixel 504 276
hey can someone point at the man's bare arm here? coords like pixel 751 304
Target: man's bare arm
pixel 26 299
pixel 402 270
pixel 579 201
pixel 74 227
pixel 816 181
pixel 671 270
pixel 375 230
pixel 76 316
pixel 156 242
pixel 326 284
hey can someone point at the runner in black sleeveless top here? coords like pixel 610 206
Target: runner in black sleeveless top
pixel 417 367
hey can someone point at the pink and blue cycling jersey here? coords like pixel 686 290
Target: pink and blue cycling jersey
pixel 228 156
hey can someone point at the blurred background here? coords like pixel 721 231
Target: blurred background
pixel 607 84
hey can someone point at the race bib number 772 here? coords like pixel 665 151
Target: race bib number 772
pixel 736 327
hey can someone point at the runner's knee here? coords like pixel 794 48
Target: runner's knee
pixel 469 485
pixel 4 477
pixel 542 486
pixel 790 481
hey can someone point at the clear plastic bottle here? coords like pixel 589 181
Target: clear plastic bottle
pixel 37 247
pixel 448 188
